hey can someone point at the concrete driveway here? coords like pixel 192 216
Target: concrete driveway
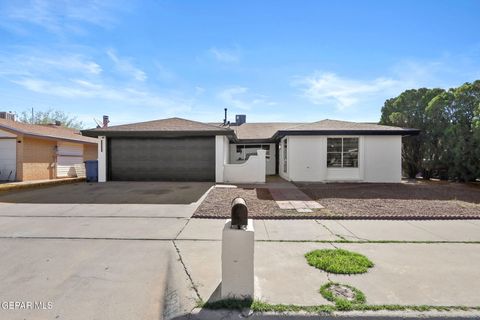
pixel 90 260
pixel 112 193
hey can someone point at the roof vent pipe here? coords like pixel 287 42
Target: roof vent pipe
pixel 225 119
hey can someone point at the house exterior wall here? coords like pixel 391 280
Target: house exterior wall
pixel 38 159
pixel 270 160
pixel 306 158
pixel 383 158
pixel 19 174
pixel 379 160
pixel 90 152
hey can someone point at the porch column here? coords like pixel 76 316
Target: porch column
pixel 102 159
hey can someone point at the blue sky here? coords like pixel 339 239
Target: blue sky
pixel 272 60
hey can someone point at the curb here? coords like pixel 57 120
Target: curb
pixel 204 314
pixel 19 186
pixel 353 217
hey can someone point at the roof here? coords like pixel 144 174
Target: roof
pixel 333 127
pixel 246 132
pixel 162 127
pixel 45 131
pixel 261 131
pixel 329 124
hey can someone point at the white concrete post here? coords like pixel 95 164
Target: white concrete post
pixel 102 159
pixel 237 262
pixel 219 158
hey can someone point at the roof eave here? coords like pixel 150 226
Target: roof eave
pixel 159 134
pixel 42 136
pixel 400 132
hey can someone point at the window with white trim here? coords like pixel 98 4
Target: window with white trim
pixel 244 151
pixel 342 152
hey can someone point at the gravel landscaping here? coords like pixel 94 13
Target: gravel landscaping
pixel 259 201
pixel 418 200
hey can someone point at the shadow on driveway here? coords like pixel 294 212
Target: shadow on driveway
pixel 112 193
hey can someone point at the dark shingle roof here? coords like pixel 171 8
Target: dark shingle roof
pixel 45 131
pixel 261 131
pixel 170 125
pixel 328 126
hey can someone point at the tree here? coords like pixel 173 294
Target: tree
pixel 51 116
pixel 449 143
pixel 408 110
pixel 457 112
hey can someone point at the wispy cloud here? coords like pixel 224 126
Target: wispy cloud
pixel 125 66
pixel 332 90
pixel 77 78
pixel 327 87
pixel 225 55
pixel 80 89
pixel 47 63
pixel 240 98
pixel 59 16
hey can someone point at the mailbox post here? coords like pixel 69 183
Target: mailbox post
pixel 237 253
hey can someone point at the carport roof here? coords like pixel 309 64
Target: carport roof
pixel 162 127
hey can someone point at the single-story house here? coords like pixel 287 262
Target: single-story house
pixel 180 149
pixel 40 152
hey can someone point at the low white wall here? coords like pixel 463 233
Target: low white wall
pixel 383 158
pixel 251 171
pixel 102 159
pixel 235 157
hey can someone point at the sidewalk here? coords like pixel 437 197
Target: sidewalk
pixel 416 262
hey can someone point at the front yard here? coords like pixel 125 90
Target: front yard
pixel 408 200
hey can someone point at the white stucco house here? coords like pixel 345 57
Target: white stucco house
pixel 184 150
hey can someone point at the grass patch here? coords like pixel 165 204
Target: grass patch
pixel 261 306
pixel 338 261
pixel 358 298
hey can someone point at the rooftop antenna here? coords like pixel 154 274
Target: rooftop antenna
pixel 225 119
pixel 98 122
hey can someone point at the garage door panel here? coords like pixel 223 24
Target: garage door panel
pixel 8 157
pixel 178 159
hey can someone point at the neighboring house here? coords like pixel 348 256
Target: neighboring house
pixel 180 149
pixel 38 152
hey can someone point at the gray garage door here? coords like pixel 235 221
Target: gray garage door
pixel 152 159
